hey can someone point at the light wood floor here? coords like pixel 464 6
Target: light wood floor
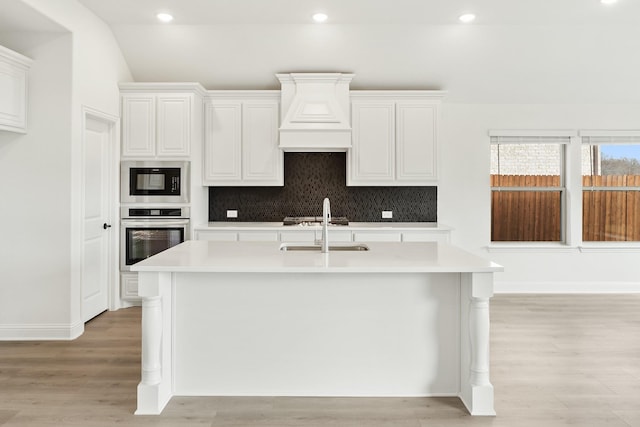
pixel 556 361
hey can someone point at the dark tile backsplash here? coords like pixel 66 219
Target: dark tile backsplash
pixel 308 179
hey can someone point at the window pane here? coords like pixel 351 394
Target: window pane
pixel 611 165
pixel 526 165
pixel 526 216
pixel 610 216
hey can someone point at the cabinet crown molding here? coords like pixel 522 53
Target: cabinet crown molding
pixel 162 87
pixel 242 94
pixel 165 87
pixel 398 94
pixel 14 58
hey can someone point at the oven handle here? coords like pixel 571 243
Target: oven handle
pixel 153 223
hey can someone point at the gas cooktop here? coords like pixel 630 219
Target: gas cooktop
pixel 313 220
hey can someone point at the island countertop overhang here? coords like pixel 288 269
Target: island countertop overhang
pixel 266 257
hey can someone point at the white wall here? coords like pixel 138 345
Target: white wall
pixel 98 64
pixel 84 72
pixel 35 216
pixel 464 196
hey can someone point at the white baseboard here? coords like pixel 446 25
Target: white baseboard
pixel 42 332
pixel 566 287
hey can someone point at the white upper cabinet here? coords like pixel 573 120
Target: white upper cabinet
pixel 157 124
pixel 223 142
pixel 138 125
pixel 416 142
pixel 173 125
pixel 261 157
pixel 241 140
pixel 14 70
pixel 395 138
pixel 372 155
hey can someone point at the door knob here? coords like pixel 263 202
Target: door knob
pixel 105 225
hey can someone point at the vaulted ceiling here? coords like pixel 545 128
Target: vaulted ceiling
pixel 517 51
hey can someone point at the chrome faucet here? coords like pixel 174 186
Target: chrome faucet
pixel 326 218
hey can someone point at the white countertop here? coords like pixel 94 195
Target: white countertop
pixel 266 257
pixel 425 226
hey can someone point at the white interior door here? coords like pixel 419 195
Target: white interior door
pixel 97 230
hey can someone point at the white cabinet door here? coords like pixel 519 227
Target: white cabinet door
pixel 395 139
pixel 372 156
pixel 377 236
pixel 241 143
pixel 174 121
pixel 336 235
pixel 416 137
pixel 156 125
pixel 243 235
pixel 138 125
pixel 216 235
pixel 223 143
pixel 129 286
pixel 308 236
pixel 261 158
pixel 258 236
pixel 425 236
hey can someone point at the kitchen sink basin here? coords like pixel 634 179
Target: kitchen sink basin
pixel 317 248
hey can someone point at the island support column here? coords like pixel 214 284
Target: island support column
pixel 476 388
pixel 155 388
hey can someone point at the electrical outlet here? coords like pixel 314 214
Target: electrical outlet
pixel 232 214
pixel 387 214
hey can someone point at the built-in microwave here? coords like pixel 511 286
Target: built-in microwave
pixel 154 182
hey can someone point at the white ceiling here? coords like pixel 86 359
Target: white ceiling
pixel 16 16
pixel 517 51
pixel 438 12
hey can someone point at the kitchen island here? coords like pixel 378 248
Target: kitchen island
pixel 247 318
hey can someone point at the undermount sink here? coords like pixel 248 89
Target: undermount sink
pixel 302 247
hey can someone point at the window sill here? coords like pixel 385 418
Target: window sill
pixel 595 247
pixel 603 247
pixel 542 247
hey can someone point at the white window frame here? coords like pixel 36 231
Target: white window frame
pixel 568 140
pixel 604 137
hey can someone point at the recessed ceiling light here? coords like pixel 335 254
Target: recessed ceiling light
pixel 164 17
pixel 320 17
pixel 467 17
pixel 608 1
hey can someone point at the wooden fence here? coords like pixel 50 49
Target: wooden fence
pixel 535 215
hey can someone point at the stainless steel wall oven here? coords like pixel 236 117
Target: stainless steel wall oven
pixel 148 231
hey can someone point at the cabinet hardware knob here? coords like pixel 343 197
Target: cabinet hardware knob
pixel 105 225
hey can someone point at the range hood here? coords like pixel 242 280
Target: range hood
pixel 315 112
